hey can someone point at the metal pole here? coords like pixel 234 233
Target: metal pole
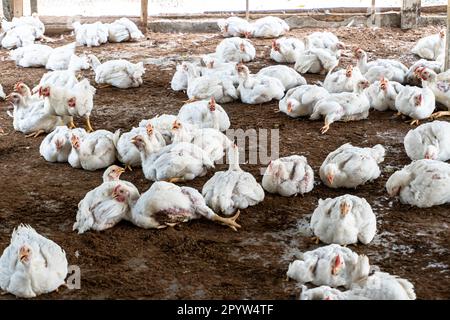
pixel 247 14
pixel 447 42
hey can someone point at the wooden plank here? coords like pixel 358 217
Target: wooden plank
pixel 410 14
pixel 447 42
pixel 144 15
pixel 18 8
pixel 247 10
pixel 373 12
pixel 34 6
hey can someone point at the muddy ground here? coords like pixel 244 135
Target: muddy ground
pixel 203 260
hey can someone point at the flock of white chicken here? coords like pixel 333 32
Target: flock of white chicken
pixel 174 148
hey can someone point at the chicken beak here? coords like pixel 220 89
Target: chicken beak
pixel 121 170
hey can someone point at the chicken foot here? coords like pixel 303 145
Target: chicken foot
pixel 88 125
pixel 35 134
pixel 230 222
pixel 439 114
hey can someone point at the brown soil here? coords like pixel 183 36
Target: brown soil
pixel 201 260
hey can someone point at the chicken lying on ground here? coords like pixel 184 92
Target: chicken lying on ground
pixel 56 146
pixel 430 47
pixel 123 29
pixel 285 50
pixel 234 27
pixel 382 94
pixel 91 34
pixel 204 114
pixel 106 205
pixel 300 101
pixel 32 265
pixel 166 204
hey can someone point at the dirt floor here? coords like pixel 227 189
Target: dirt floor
pixel 203 260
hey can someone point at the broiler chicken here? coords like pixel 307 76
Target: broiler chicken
pixel 162 123
pixel 287 76
pixel 56 146
pixel 429 141
pixel 234 27
pixel 300 101
pixel 288 176
pixel 32 265
pixel 439 84
pixel 166 204
pixel 118 73
pixel 94 151
pixel 430 47
pixel 344 106
pixel 91 34
pixel 316 60
pixel 423 183
pixel 416 103
pixel 106 205
pixel 412 76
pixel 257 89
pixel 382 94
pixel 285 50
pixel 349 166
pixel 342 80
pixel 269 27
pixel 179 80
pixel 234 189
pixel 64 58
pixel 204 114
pixel 235 50
pixel 33 55
pixel 344 220
pixel 123 29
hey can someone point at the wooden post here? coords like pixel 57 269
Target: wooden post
pixel 447 42
pixel 373 12
pixel 7 9
pixel 18 8
pixel 34 6
pixel 247 13
pixel 144 15
pixel 410 14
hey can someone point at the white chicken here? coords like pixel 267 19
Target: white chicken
pixel 257 89
pixel 235 50
pixel 324 40
pixel 32 264
pixel 106 205
pixel 412 76
pixel 439 84
pixel 285 50
pixel 179 80
pixel 430 47
pixel 331 265
pixel 416 103
pixel 18 37
pixel 56 146
pixel 33 55
pixel 316 60
pixel 32 22
pixel 204 114
pixel 423 183
pixel 2 93
pixel 204 87
pixel 344 220
pixel 234 189
pixel 349 166
pixel 127 153
pixel 95 151
pixel 300 101
pixel 234 27
pixel 288 176
pixel 269 27
pixel 342 80
pixel 162 123
pixel 287 76
pixel 344 106
pixel 63 58
pixel 166 204
pixel 118 73
pixel 32 119
pixel 91 34
pixel 382 94
pixel 175 162
pixel 374 70
pixel 324 293
pixel 429 141
pixel 76 101
pixel 123 29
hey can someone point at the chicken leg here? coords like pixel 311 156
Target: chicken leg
pixel 191 100
pixel 414 122
pixel 35 134
pixel 230 222
pixel 104 86
pixel 325 128
pixel 72 124
pixel 439 114
pixel 316 240
pixel 175 180
pixel 88 125
pixel 128 167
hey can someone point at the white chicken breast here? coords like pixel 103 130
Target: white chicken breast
pixel 300 101
pixel 56 146
pixel 349 166
pixel 234 189
pixel 175 162
pixel 332 265
pixel 118 73
pixel 166 204
pixel 423 183
pixel 106 205
pixel 269 27
pixel 288 176
pixel 257 89
pixel 95 151
pixel 382 94
pixel 429 141
pixel 33 55
pixel 123 29
pixel 204 114
pixel 344 106
pixel 344 220
pixel 32 264
pixel 287 76
pixel 127 153
pixel 285 50
pixel 235 50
